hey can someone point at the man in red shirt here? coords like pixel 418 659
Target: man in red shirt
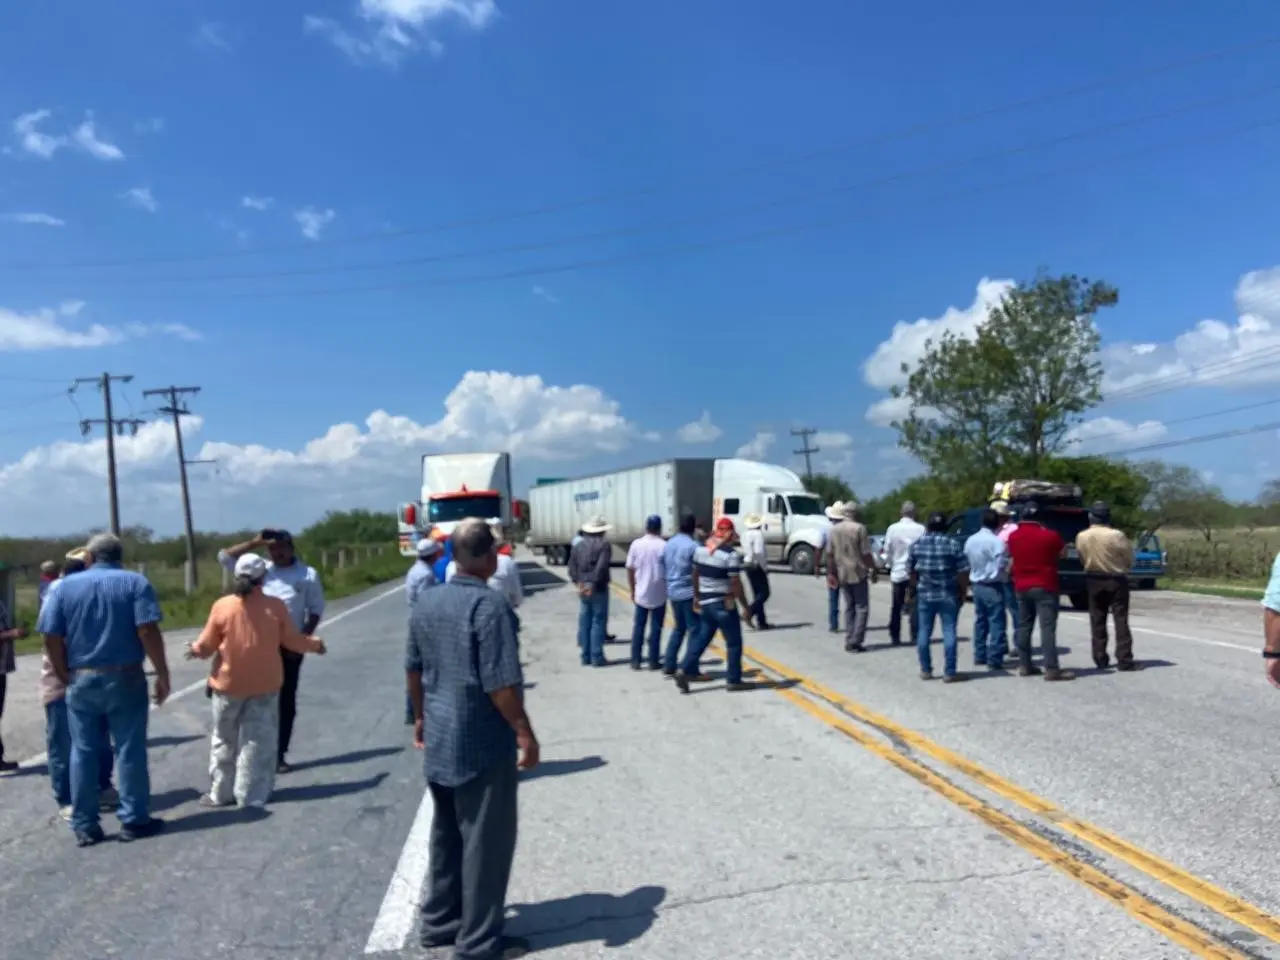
pixel 1034 550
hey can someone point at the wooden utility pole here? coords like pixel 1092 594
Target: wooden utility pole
pixel 112 426
pixel 806 451
pixel 176 409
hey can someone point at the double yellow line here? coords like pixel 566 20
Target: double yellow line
pixel 839 712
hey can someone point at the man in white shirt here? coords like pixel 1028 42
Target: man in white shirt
pixel 756 560
pixel 647 576
pixel 835 513
pixel 506 579
pixel 897 549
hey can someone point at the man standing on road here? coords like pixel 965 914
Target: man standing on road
pixel 506 578
pixel 467 688
pixel 1008 524
pixel 939 572
pixel 719 595
pixel 849 565
pixel 97 627
pixel 420 576
pixel 647 579
pixel 1034 550
pixel 298 585
pixel 677 561
pixel 589 571
pixel 1107 557
pixel 9 635
pixel 756 558
pixel 988 567
pixel 897 553
pixel 833 593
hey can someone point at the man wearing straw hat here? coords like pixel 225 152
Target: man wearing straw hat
pixel 589 571
pixel 849 566
pixel 756 560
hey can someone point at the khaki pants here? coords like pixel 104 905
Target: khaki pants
pixel 242 762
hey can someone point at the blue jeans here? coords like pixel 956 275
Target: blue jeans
pixel 57 736
pixel 593 615
pixel 989 642
pixel 722 616
pixel 685 622
pixel 833 609
pixel 945 609
pixel 654 619
pixel 119 697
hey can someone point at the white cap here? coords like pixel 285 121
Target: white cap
pixel 428 547
pixel 251 566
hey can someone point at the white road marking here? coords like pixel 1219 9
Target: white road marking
pixel 400 905
pixel 199 684
pixel 1257 649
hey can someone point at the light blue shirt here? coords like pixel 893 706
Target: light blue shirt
pixel 677 560
pixel 988 557
pixel 98 613
pixel 1271 599
pixel 420 576
pixel 297 586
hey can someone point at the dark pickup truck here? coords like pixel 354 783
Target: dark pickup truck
pixel 1066 521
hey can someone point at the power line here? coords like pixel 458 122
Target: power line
pixel 112 425
pixel 1194 417
pixel 700 219
pixel 733 240
pixel 177 408
pixel 1186 441
pixel 902 133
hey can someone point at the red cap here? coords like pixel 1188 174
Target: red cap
pixel 725 525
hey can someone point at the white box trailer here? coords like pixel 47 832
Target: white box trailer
pixel 707 488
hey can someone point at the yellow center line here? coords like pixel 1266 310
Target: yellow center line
pixel 1136 904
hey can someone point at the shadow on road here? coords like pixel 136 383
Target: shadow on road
pixel 156 742
pixel 787 626
pixel 750 686
pixel 169 799
pixel 586 918
pixel 211 819
pixel 535 578
pixel 325 791
pixel 558 768
pixel 355 756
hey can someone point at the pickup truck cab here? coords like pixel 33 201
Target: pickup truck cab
pixel 1149 561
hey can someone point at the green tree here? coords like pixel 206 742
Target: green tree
pixel 341 528
pixel 1178 496
pixel 1121 485
pixel 829 488
pixel 1007 397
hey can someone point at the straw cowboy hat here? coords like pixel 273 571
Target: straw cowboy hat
pixel 833 512
pixel 597 524
pixel 753 521
pixel 849 510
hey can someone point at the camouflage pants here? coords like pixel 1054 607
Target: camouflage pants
pixel 242 763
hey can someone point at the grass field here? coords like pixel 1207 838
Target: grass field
pixel 1234 556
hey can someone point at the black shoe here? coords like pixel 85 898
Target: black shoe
pixel 8 766
pixel 283 767
pixel 1130 667
pixel 130 832
pixel 90 837
pixel 668 673
pixel 635 664
pixel 682 680
pixel 737 687
pixel 514 947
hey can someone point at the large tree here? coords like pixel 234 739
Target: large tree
pixel 829 488
pixel 1007 397
pixel 1178 496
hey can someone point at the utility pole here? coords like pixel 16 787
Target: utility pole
pixel 112 426
pixel 177 408
pixel 806 451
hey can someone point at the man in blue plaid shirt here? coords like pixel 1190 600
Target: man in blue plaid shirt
pixel 940 572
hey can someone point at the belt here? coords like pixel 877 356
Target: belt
pixel 117 668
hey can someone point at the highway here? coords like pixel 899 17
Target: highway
pixel 849 811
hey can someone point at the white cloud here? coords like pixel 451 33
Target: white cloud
pixel 1211 353
pixel 757 448
pixel 312 221
pixel 212 35
pixel 370 464
pixel 1110 435
pixel 87 139
pixel 832 440
pixel 151 125
pixel 39 219
pixel 142 198
pixel 251 202
pixel 394 29
pixel 542 293
pixel 32 139
pixel 45 329
pixel 701 430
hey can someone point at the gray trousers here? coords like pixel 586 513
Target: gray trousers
pixel 242 761
pixel 473 841
pixel 857 603
pixel 1037 604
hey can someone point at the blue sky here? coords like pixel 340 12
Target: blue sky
pixel 307 208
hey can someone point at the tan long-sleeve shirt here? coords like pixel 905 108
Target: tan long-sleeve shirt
pixel 247 633
pixel 1105 550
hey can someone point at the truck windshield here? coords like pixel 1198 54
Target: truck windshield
pixel 1065 522
pixel 453 509
pixel 805 506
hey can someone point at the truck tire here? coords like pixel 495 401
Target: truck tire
pixel 553 556
pixel 1148 584
pixel 1079 601
pixel 801 559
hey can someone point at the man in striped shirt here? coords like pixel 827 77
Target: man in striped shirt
pixel 718 598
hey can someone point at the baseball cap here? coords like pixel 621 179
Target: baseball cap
pixel 251 566
pixel 725 525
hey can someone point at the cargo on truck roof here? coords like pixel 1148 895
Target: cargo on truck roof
pixel 1042 491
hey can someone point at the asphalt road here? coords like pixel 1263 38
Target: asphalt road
pixel 856 812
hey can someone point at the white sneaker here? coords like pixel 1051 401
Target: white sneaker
pixel 108 800
pixel 65 813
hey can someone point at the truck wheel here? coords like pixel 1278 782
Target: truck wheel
pixel 1079 601
pixel 801 559
pixel 1146 584
pixel 553 556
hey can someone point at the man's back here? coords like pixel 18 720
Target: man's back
pixel 897 546
pixel 1106 550
pixel 849 545
pixel 677 560
pixel 1034 551
pixel 937 561
pixel 987 556
pixel 645 559
pixel 98 613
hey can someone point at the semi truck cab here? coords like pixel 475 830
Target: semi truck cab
pixel 794 519
pixel 454 488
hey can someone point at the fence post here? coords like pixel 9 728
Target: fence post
pixel 188 580
pixel 226 578
pixel 342 559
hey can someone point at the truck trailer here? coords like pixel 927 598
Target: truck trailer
pixel 456 486
pixel 707 488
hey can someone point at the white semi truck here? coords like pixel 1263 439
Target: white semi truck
pixel 456 486
pixel 709 489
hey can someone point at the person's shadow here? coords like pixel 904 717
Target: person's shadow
pixel 586 917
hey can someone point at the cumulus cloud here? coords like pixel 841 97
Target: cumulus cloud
pixel 142 198
pixel 86 138
pixel 50 329
pixel 371 464
pixel 387 31
pixel 36 219
pixel 1111 435
pixel 32 139
pixel 701 430
pixel 251 202
pixel 312 221
pixel 758 447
